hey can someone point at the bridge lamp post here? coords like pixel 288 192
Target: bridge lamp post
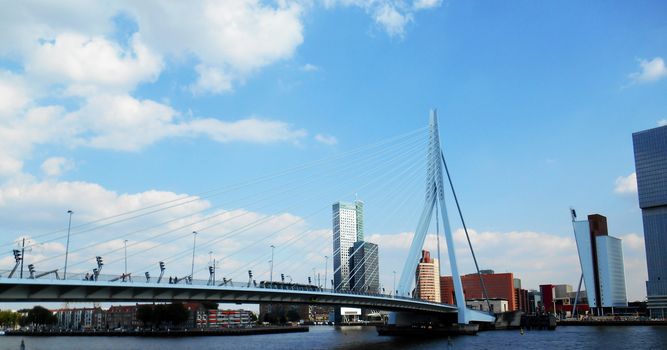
pixel 326 266
pixel 125 248
pixel 194 246
pixel 69 227
pixel 394 290
pixel 272 248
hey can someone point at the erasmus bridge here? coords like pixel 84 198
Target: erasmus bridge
pixel 87 277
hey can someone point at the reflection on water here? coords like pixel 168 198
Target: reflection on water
pixel 365 338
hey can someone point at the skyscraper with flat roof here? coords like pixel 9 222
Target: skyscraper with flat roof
pixel 650 148
pixel 347 229
pixel 364 268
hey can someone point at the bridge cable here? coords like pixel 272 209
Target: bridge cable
pixel 208 243
pixel 284 190
pixel 458 207
pixel 208 194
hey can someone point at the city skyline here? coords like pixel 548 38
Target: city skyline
pixel 100 113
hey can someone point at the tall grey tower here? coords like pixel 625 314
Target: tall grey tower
pixel 651 166
pixel 347 229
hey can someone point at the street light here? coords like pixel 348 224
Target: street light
pixel 272 248
pixel 194 245
pixel 125 246
pixel 326 266
pixel 394 291
pixel 314 273
pixel 69 227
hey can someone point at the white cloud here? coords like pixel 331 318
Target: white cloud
pixel 121 122
pixel 391 16
pixel 13 94
pixel 310 68
pixel 636 273
pixel 9 165
pixel 128 124
pixel 88 63
pixel 229 38
pixel 240 236
pixel 326 139
pixel 56 166
pixel 626 184
pixel 652 70
pixel 19 134
pixel 24 24
pixel 72 40
pixel 426 4
pixel 392 20
pixel 246 130
pixel 633 241
pixel 211 80
pixel 662 122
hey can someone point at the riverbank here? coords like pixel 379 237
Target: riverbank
pixel 612 323
pixel 164 333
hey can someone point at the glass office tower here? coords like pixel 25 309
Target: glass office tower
pixel 651 165
pixel 347 229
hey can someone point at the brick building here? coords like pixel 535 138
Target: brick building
pixel 498 286
pixel 122 317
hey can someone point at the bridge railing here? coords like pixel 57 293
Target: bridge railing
pixel 87 277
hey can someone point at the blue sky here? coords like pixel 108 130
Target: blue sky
pixel 108 108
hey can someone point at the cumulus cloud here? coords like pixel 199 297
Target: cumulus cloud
pixel 230 39
pixel 326 139
pixel 56 166
pixel 626 184
pixel 662 122
pixel 121 122
pixel 124 123
pixel 13 94
pixel 71 57
pixel 392 20
pixel 211 80
pixel 650 70
pixel 392 16
pixel 91 63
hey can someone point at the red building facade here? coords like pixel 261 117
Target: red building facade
pixel 498 285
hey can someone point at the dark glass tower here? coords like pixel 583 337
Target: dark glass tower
pixel 651 165
pixel 364 267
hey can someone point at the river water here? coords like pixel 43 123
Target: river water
pixel 366 338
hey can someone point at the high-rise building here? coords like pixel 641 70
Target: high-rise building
pixel 364 267
pixel 428 278
pixel 601 259
pixel 650 148
pixel 347 229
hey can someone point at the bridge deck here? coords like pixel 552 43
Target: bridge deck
pixel 22 290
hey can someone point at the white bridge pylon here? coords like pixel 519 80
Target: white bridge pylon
pixel 435 193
